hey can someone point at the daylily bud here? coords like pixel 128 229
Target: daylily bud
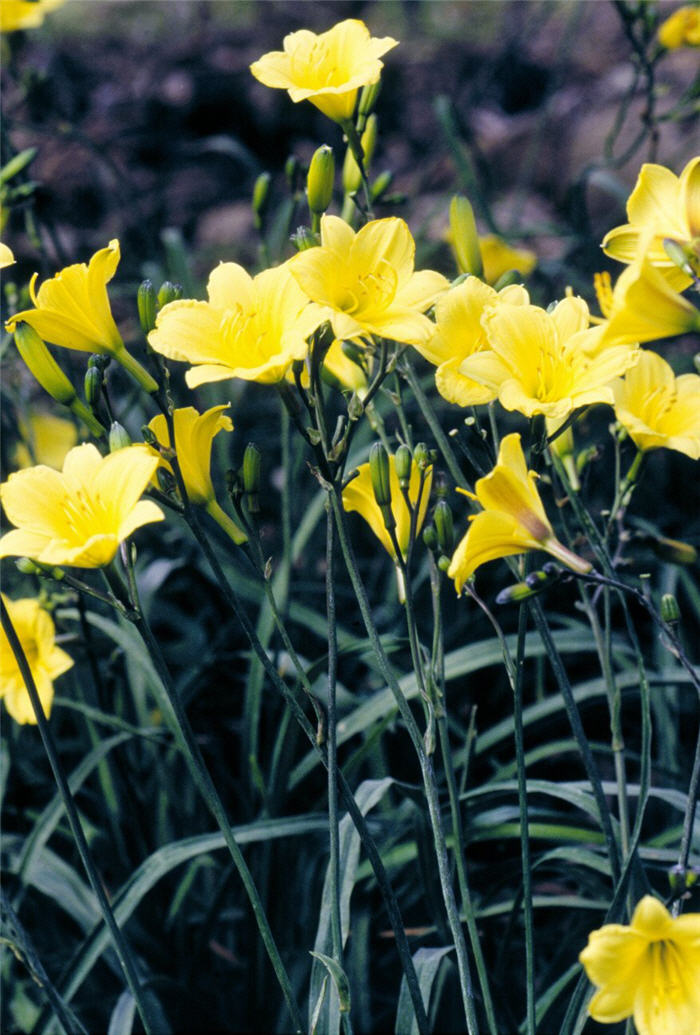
pixel 421 455
pixel 168 292
pixel 381 185
pixel 679 255
pixel 444 563
pixel 118 437
pixel 50 376
pixel 430 537
pixel 379 472
pixel 92 385
pixel 444 526
pixel 672 550
pixel 251 476
pixel 368 101
pixel 27 566
pixel 352 180
pixel 146 305
pixel 402 463
pixel 291 170
pixel 355 407
pixel 261 197
pixel 465 238
pixel 42 364
pixel 515 593
pixel 670 611
pixel 319 182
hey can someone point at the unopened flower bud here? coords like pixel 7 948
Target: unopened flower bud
pixel 670 611
pixel 27 566
pixel 118 437
pixel 444 563
pixel 319 181
pixel 92 385
pixel 251 476
pixel 368 102
pixel 261 197
pixel 465 238
pixel 291 171
pixel 42 364
pixel 444 526
pixel 381 185
pixel 168 292
pixel 673 550
pixel 421 455
pixel 355 407
pixel 379 473
pixel 146 305
pixel 402 463
pixel 681 256
pixel 430 537
pixel 515 593
pixel 352 178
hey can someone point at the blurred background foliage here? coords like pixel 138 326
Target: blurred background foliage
pixel 149 127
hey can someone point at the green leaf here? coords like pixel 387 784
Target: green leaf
pixel 427 963
pixel 340 979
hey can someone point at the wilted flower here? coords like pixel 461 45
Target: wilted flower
pixel 73 311
pixel 365 283
pixel 327 69
pixel 681 29
pixel 662 205
pixel 513 519
pixel 194 435
pixel 78 516
pixel 46 440
pixel 657 409
pixel 459 333
pixel 649 970
pixel 251 327
pixel 546 362
pixel 35 631
pixel 25 14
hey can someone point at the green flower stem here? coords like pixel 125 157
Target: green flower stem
pixel 171 707
pixel 579 733
pixel 625 488
pixel 358 819
pixel 467 907
pixel 134 368
pixel 123 951
pixel 434 425
pixel 355 145
pixel 426 765
pixel 526 862
pixel 333 821
pixel 689 818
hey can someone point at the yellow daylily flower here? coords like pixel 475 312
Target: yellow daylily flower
pixel 358 495
pixel 458 333
pixel 657 409
pixel 36 632
pixel 80 515
pixel 47 439
pixel 327 69
pixel 25 14
pixel 642 306
pixel 681 29
pixel 649 970
pixel 365 283
pixel 498 257
pixel 546 362
pixel 6 256
pixel 194 435
pixel 72 310
pixel 513 519
pixel 661 205
pixel 251 327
